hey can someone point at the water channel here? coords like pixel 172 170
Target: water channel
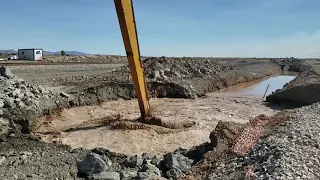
pixel 258 88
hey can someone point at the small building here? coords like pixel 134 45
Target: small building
pixel 30 54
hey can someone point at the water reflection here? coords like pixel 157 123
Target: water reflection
pixel 274 84
pixel 258 88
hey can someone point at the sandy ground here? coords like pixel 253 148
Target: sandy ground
pixel 86 126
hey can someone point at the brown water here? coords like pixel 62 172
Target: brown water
pixel 258 88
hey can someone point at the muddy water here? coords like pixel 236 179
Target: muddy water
pixel 258 88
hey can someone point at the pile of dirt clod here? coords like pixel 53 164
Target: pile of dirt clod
pixel 166 68
pixel 292 64
pixel 86 58
pixel 303 90
pixel 171 77
pixel 229 140
pixel 21 102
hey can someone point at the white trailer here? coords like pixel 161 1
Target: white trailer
pixel 30 54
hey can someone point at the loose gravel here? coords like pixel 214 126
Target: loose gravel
pixel 292 151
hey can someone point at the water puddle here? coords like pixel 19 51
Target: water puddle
pixel 258 88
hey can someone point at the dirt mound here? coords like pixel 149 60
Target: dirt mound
pixel 170 77
pixel 303 90
pixel 292 64
pixel 85 58
pixel 164 68
pixel 22 102
pixel 225 133
pixel 230 140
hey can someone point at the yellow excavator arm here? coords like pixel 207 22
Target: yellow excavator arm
pixel 130 39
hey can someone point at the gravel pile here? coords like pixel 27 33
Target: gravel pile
pixel 290 152
pixel 97 165
pixel 22 158
pixel 22 102
pixel 291 64
pixel 166 68
pixel 86 58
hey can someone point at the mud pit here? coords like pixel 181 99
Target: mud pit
pixel 113 125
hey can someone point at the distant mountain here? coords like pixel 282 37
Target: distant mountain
pixel 8 51
pixel 75 53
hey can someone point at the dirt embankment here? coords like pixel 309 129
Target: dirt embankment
pixel 303 90
pixel 22 102
pixel 295 65
pixel 168 77
pixel 85 58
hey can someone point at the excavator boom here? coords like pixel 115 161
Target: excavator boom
pixel 130 39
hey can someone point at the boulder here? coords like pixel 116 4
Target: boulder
pixel 128 174
pixel 151 170
pixel 5 72
pixel 156 160
pixel 178 161
pixel 106 160
pixel 174 174
pixel 134 161
pixel 225 133
pixel 92 164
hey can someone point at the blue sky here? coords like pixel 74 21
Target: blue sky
pixel 229 28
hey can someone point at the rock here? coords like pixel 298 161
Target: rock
pixel 143 175
pixel 11 94
pixel 8 102
pixel 146 158
pixel 1 103
pixel 28 94
pixel 2 160
pixel 174 174
pixel 151 169
pixel 107 176
pixel 65 95
pixel 17 93
pixel 128 174
pixel 134 161
pixel 26 153
pixel 156 160
pixel 178 161
pixel 156 74
pixel 23 87
pixel 106 160
pixel 92 164
pixel 146 176
pixel 4 126
pixel 35 91
pixel 5 72
pixel 225 133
